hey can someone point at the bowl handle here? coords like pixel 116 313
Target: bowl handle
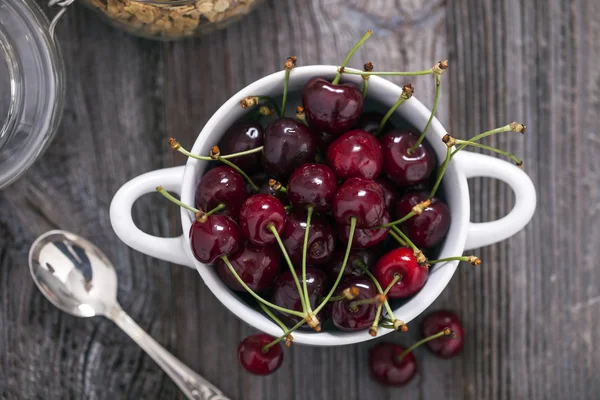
pixel 168 249
pixel 481 234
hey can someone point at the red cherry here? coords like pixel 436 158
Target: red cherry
pixel 254 360
pixel 430 227
pixel 402 167
pixel 385 367
pixel 445 346
pixel 355 154
pixel 330 108
pixel 243 136
pixel 400 262
pixel 312 185
pixel 365 238
pixel 256 265
pixel 333 267
pixel 362 316
pixel 321 241
pixel 221 185
pixel 360 198
pixel 217 236
pixel 389 192
pixel 257 214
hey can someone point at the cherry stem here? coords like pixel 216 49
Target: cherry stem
pixel 273 317
pixel 407 92
pixel 441 172
pixel 238 169
pixel 397 277
pixel 216 209
pixel 309 212
pixel 175 145
pixel 256 296
pixel 365 88
pixel 405 238
pixel 341 273
pixel 433 110
pixel 355 303
pixel 277 186
pixel 375 325
pixel 273 103
pixel 286 84
pixel 285 334
pixel 288 208
pixel 517 161
pixel 168 196
pixel 397 222
pixel 362 266
pixel 352 71
pixel 473 260
pixel 336 298
pixel 505 128
pixel 443 332
pixel 243 153
pixel 292 271
pixel 398 238
pixel 338 76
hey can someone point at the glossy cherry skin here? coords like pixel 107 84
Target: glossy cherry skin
pixel 217 236
pixel 288 144
pixel 257 213
pixel 254 360
pixel 355 154
pixel 329 108
pixel 445 346
pixel 333 267
pixel 321 241
pixel 399 166
pixel 346 319
pixel 240 137
pixel 312 185
pixel 365 238
pixel 369 122
pixel 389 192
pixel 360 198
pixel 285 293
pixel 221 185
pixel 258 266
pixel 431 226
pixel 385 367
pixel 403 262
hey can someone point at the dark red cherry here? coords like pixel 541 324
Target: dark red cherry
pixel 217 236
pixel 257 214
pixel 323 140
pixel 365 238
pixel 288 144
pixel 355 154
pixel 385 367
pixel 389 192
pixel 254 360
pixel 356 257
pixel 400 262
pixel 257 266
pixel 400 166
pixel 445 346
pixel 321 241
pixel 360 198
pixel 285 293
pixel 221 185
pixel 312 185
pixel 369 122
pixel 430 227
pixel 343 316
pixel 330 108
pixel 240 137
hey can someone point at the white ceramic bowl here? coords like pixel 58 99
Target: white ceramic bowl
pixel 463 234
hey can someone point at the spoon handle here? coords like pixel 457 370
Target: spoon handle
pixel 191 384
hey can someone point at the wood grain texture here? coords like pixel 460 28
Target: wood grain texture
pixel 529 310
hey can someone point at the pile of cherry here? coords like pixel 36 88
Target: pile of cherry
pixel 297 213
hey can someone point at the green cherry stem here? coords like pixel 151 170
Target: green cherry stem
pixel 441 172
pixel 256 296
pixel 288 208
pixel 473 260
pixel 444 332
pixel 309 212
pixel 338 76
pixel 407 92
pixel 375 325
pixel 397 222
pixel 285 334
pixel 365 87
pixel 433 110
pixel 273 317
pixel 397 277
pixel 517 161
pixel 513 126
pixel 216 209
pixel 243 153
pixel 238 169
pixel 368 67
pixel 398 238
pixel 252 101
pixel 168 196
pixel 290 63
pixel 390 313
pixel 405 238
pixel 351 71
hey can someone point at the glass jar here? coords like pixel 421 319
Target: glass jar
pixel 32 87
pixel 171 19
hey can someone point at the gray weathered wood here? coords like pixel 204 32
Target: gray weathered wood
pixel 529 310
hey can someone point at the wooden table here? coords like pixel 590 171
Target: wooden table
pixel 531 310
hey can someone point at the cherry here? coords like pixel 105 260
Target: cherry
pixel 389 192
pixel 356 257
pixel 400 262
pixel 312 185
pixel 387 369
pixel 428 228
pixel 288 144
pixel 285 293
pixel 217 236
pixel 221 185
pixel 321 241
pixel 445 346
pixel 254 359
pixel 369 122
pixel 240 137
pixel 259 212
pixel 257 266
pixel 362 199
pixel 401 166
pixel 355 154
pixel 331 108
pixel 347 317
pixel 364 238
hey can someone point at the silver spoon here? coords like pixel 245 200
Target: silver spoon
pixel 78 278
